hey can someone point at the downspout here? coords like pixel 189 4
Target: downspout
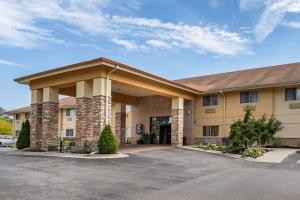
pixel 106 98
pixel 224 112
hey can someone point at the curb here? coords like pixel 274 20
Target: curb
pixel 78 156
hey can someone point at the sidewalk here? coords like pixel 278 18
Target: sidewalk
pixel 277 155
pixel 68 155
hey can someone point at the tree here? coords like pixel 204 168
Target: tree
pixel 24 137
pixel 250 131
pixel 108 143
pixel 244 133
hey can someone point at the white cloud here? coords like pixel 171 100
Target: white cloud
pixel 292 24
pixel 10 63
pixel 272 16
pixel 129 45
pixel 198 38
pixel 32 23
pixel 158 44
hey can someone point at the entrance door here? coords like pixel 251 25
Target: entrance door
pixel 160 130
pixel 165 134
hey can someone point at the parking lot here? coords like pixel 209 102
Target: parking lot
pixel 156 174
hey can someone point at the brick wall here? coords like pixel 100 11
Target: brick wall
pixel 151 106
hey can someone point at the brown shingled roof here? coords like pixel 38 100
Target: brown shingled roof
pixel 246 79
pixel 68 102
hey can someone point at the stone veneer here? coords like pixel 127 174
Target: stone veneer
pixel 49 125
pixel 177 127
pixel 98 117
pixel 188 132
pixel 36 125
pixel 84 125
pixel 120 126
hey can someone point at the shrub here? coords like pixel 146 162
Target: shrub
pixel 276 142
pixel 211 146
pixel 253 152
pixel 247 132
pixel 231 149
pixel 108 143
pixel 244 133
pixel 24 137
pixel 146 138
pixel 69 141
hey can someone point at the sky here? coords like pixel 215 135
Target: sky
pixel 170 38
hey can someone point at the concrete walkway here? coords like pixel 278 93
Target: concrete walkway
pixel 134 148
pixel 68 155
pixel 277 155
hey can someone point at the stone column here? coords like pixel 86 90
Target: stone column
pixel 120 122
pixel 36 119
pixel 49 118
pixel 177 122
pixel 84 124
pixel 188 131
pixel 100 114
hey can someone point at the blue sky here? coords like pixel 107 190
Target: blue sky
pixel 171 38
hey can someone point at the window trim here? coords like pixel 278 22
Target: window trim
pixel 295 98
pixel 69 129
pixel 210 100
pixel 249 97
pixel 18 118
pixel 27 114
pixel 210 133
pixel 70 109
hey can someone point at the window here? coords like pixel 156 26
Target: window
pixel 70 112
pixel 69 132
pixel 17 133
pixel 249 97
pixel 27 115
pixel 210 131
pixel 292 94
pixel 210 100
pixel 17 116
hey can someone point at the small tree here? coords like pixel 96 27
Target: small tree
pixel 244 133
pixel 24 137
pixel 108 143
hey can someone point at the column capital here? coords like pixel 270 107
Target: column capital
pixel 84 88
pixel 37 96
pixel 50 94
pixel 177 103
pixel 101 86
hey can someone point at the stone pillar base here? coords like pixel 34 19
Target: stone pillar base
pixel 99 117
pixel 120 127
pixel 36 125
pixel 83 121
pixel 177 127
pixel 49 125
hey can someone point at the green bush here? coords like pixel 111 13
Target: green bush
pixel 146 138
pixel 253 152
pixel 231 149
pixel 24 137
pixel 69 141
pixel 108 143
pixel 276 142
pixel 211 146
pixel 245 133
